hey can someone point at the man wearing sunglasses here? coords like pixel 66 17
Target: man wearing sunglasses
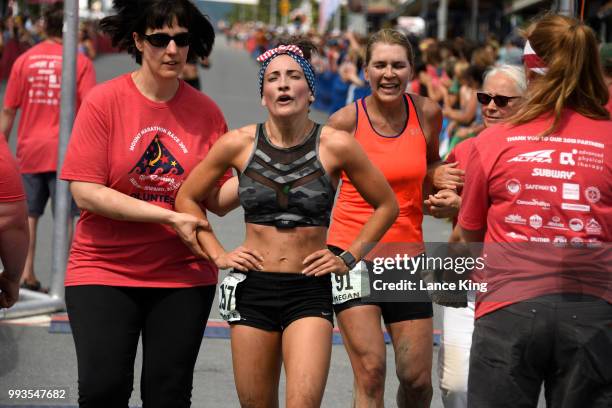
pixel 500 97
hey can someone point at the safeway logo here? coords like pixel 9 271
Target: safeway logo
pixel 539 156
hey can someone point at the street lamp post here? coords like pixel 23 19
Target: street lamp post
pixel 442 19
pixel 273 13
pixel 566 7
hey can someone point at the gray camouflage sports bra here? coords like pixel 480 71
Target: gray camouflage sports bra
pixel 286 187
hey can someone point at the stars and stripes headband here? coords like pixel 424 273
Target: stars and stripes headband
pixel 533 61
pixel 294 52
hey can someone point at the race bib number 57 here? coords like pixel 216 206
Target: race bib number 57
pixel 227 296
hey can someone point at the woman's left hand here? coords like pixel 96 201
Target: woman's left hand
pixel 323 262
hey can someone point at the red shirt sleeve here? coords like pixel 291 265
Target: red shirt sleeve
pixel 86 80
pixel 87 154
pixel 13 94
pixel 475 194
pixel 11 188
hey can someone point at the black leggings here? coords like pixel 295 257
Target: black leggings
pixel 107 322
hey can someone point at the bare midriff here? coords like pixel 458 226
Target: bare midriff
pixel 284 250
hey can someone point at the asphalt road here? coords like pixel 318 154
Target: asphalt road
pixel 31 357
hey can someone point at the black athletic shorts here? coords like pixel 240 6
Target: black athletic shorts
pixel 560 341
pixel 392 311
pixel 39 187
pixel 271 301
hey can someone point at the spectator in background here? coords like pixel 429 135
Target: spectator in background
pixel 86 45
pixel 500 98
pixel 471 82
pixel 605 53
pixel 13 227
pixel 33 89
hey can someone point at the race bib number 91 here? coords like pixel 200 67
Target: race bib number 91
pixel 353 285
pixel 227 296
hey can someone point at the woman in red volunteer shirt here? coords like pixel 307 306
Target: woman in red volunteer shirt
pixel 538 191
pixel 134 141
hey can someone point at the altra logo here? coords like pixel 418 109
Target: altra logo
pixel 539 156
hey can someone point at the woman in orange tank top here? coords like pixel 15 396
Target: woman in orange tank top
pixel 399 133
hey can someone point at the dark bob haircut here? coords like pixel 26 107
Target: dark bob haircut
pixel 136 16
pixel 54 20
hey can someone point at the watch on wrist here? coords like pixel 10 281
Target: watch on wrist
pixel 348 259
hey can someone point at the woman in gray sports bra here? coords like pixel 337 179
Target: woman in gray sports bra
pixel 278 297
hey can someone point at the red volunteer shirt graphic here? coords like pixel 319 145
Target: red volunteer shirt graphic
pixel 550 196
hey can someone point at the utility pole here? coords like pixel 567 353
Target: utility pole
pixel 273 13
pixel 61 217
pixel 474 21
pixel 442 19
pixel 566 7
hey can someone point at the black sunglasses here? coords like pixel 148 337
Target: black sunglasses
pixel 500 100
pixel 161 40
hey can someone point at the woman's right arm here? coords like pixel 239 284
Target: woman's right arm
pixel 224 154
pixel 110 203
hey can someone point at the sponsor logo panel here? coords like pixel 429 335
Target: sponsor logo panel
pixel 556 174
pixel 576 224
pixel 539 156
pixel 575 207
pixel 513 186
pixel 571 191
pixel 535 221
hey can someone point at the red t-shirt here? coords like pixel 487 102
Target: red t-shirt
pixel 143 149
pixel 34 87
pixel 534 192
pixel 10 183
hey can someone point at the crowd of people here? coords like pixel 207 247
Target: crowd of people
pixel 528 164
pixel 447 72
pixel 21 32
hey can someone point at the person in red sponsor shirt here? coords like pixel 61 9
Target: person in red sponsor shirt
pixel 500 97
pixel 545 178
pixel 13 227
pixel 34 87
pixel 134 141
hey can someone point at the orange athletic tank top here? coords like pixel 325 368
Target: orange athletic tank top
pixel 403 161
